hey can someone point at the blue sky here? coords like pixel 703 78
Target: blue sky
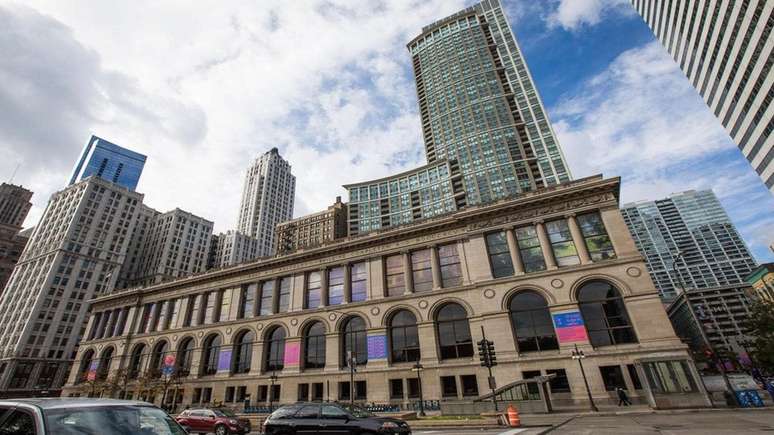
pixel 329 83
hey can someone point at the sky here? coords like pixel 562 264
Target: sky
pixel 202 88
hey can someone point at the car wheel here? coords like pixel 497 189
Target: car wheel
pixel 221 430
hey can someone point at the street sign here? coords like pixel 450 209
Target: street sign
pixel 492 383
pixel 168 370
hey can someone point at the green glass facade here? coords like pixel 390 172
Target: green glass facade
pixel 486 133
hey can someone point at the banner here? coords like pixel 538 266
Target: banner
pixel 224 360
pixel 92 374
pixel 292 353
pixel 377 347
pixel 569 327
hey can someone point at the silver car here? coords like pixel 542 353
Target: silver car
pixel 75 416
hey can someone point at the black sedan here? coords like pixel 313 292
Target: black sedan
pixel 330 419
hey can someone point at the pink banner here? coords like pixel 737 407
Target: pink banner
pixel 571 334
pixel 292 354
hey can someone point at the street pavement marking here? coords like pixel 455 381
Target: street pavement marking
pixel 512 432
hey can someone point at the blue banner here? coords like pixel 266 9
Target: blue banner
pixel 377 347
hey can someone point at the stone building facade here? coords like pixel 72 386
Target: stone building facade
pixel 542 273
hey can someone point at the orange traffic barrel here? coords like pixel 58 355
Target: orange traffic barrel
pixel 513 416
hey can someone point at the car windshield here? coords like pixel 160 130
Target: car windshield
pixel 111 420
pixel 358 411
pixel 224 413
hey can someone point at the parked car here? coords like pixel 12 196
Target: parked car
pixel 330 419
pixel 217 420
pixel 75 416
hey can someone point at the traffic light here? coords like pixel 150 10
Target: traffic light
pixel 486 353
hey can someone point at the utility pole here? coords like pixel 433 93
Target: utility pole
pixel 579 355
pixel 351 363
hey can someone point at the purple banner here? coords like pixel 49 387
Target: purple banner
pixel 224 360
pixel 377 347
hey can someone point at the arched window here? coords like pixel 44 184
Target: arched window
pixel 243 352
pixel 274 349
pixel 210 354
pixel 454 332
pixel 160 350
pixel 532 322
pixel 404 337
pixel 83 370
pixel 604 314
pixel 104 363
pixel 136 361
pixel 314 346
pixel 355 340
pixel 184 357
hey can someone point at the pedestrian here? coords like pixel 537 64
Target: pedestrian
pixel 622 397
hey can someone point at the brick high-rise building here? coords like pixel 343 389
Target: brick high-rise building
pixel 726 49
pixel 267 199
pixel 312 230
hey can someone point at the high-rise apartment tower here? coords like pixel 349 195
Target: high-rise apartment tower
pixel 267 199
pixel 487 135
pixel 14 206
pixel 725 49
pixel 695 224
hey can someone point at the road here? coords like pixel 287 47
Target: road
pixel 707 422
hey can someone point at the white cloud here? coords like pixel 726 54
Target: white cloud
pixel 574 14
pixel 641 119
pixel 203 88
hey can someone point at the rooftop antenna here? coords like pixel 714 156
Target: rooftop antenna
pixel 13 175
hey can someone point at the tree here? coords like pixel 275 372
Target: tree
pixel 761 328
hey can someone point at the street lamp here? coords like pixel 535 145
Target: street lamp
pixel 578 354
pixel 700 326
pixel 273 379
pixel 418 368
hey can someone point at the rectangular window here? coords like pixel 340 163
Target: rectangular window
pixel 284 295
pixel 197 396
pixel 267 297
pixel 532 389
pixel 206 395
pixel 613 377
pixel 422 270
pixel 144 318
pixel 396 389
pixel 449 387
pixel 336 285
pixel 152 316
pixel 275 392
pixel 361 390
pixel 396 280
pixel 634 376
pixel 303 392
pixel 194 310
pixel 173 318
pixel 412 384
pixel 595 236
pixel 263 393
pixel 317 391
pixel 499 256
pixel 229 396
pixel 241 393
pixel 162 324
pixel 225 305
pixel 451 270
pixel 561 243
pixel 344 390
pixel 358 276
pixel 313 290
pixel 247 308
pixel 469 385
pixel 209 307
pixel 559 384
pixel 529 248
pixel 669 377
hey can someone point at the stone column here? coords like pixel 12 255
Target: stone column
pixel 545 245
pixel 578 240
pixel 102 325
pixel 407 274
pixel 513 248
pixel 323 287
pixel 435 263
pixel 347 283
pixel 332 353
pixel 275 296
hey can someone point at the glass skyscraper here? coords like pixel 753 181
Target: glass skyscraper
pixel 486 132
pixel 110 162
pixel 695 224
